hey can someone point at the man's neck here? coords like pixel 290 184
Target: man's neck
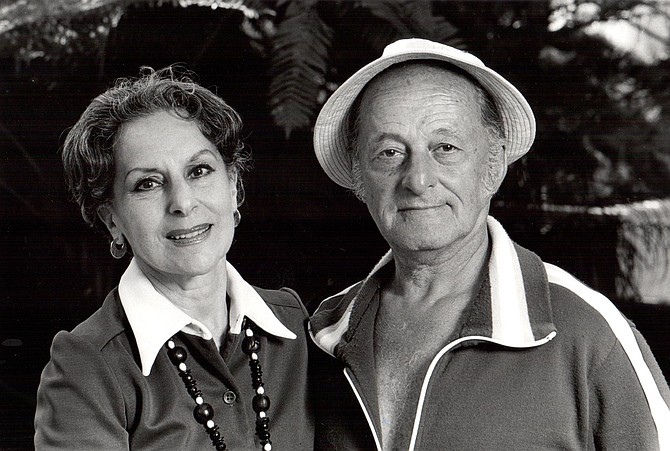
pixel 452 273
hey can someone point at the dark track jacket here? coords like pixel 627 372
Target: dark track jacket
pixel 541 362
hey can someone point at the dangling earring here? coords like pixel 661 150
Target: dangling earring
pixel 117 250
pixel 237 216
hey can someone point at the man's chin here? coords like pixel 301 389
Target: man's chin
pixel 419 245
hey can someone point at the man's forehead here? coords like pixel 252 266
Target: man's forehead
pixel 411 73
pixel 418 85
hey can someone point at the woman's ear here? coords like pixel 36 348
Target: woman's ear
pixel 233 183
pixel 106 215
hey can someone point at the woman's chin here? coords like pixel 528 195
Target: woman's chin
pixel 184 267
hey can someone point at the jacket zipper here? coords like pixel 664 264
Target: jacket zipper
pixel 433 364
pixel 424 386
pixel 365 410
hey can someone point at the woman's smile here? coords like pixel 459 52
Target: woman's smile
pixel 194 235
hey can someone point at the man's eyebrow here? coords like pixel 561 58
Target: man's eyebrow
pixel 387 135
pixel 445 131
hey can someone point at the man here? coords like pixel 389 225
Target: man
pixel 460 339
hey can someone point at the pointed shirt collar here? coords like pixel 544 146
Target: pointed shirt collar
pixel 154 319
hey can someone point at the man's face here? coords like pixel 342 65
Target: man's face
pixel 423 156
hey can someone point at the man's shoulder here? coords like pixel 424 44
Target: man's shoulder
pixel 330 321
pixel 574 305
pixel 584 315
pixel 335 306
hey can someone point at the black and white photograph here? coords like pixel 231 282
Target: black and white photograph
pixel 335 225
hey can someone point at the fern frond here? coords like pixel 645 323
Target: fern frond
pixel 298 65
pixel 413 18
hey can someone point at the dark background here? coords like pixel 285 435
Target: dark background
pixel 298 228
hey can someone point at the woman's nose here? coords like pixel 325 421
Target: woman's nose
pixel 181 199
pixel 420 173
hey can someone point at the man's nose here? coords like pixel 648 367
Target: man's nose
pixel 420 173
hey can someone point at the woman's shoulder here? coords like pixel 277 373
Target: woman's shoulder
pixel 284 299
pixel 102 326
pixel 284 296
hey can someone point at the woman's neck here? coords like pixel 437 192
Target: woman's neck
pixel 202 297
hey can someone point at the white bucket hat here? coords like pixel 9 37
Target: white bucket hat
pixel 330 131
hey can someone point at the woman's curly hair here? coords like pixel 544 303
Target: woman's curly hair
pixel 88 150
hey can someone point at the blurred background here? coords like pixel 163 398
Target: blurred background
pixel 592 195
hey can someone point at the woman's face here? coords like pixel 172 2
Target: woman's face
pixel 173 197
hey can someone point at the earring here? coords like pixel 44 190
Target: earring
pixel 237 216
pixel 117 250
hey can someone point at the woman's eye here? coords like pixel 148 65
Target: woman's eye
pixel 146 185
pixel 201 170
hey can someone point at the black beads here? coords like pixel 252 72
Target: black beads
pixel 256 373
pixel 263 428
pixel 215 436
pixel 203 412
pixel 251 345
pixel 260 403
pixel 177 355
pixel 190 384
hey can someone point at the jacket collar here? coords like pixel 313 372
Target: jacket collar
pixel 515 311
pixel 154 319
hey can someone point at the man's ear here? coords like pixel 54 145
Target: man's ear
pixel 496 171
pixel 106 215
pixel 503 167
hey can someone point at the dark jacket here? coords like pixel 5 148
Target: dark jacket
pixel 93 395
pixel 540 362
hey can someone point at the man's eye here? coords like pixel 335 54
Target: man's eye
pixel 390 153
pixel 445 148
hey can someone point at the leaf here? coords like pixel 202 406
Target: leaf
pixel 299 61
pixel 413 18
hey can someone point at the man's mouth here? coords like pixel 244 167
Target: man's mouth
pixel 419 207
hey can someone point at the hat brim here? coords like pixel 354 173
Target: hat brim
pixel 331 128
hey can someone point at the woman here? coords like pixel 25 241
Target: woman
pixel 183 354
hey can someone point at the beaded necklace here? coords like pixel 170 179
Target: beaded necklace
pixel 204 413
